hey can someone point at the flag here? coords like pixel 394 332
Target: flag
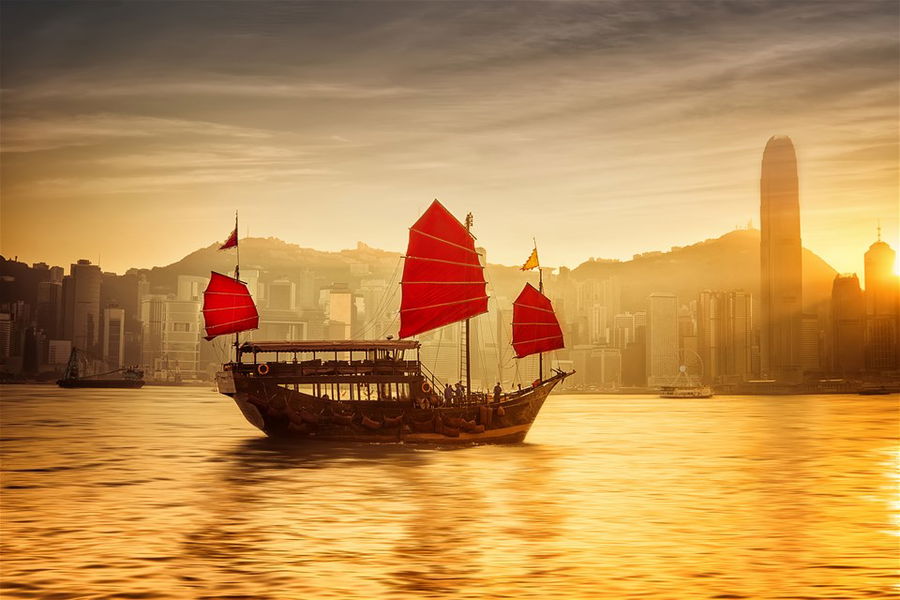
pixel 231 242
pixel 532 261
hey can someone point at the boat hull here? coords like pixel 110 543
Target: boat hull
pixel 100 383
pixel 281 412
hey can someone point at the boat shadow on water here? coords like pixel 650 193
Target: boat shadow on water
pixel 409 512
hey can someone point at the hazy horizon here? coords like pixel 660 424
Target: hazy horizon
pixel 604 130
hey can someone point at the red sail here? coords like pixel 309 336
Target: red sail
pixel 535 328
pixel 228 306
pixel 443 280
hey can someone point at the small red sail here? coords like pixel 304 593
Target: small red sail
pixel 443 280
pixel 228 306
pixel 535 327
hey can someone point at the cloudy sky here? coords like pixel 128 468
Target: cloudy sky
pixel 133 130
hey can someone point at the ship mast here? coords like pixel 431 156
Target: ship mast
pixel 541 290
pixel 237 277
pixel 469 221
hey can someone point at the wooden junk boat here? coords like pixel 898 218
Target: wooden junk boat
pixel 378 390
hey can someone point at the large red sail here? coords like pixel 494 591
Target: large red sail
pixel 228 306
pixel 443 280
pixel 535 327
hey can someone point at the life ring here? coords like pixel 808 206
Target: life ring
pixel 426 387
pixel 263 369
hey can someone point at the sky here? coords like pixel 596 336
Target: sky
pixel 133 131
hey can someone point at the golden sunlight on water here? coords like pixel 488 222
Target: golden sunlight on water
pixel 168 493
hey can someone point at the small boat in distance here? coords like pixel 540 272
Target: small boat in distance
pixel 127 377
pixel 379 391
pixel 684 386
pixel 673 391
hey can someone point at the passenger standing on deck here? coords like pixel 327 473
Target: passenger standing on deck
pixel 459 392
pixel 448 394
pixel 497 391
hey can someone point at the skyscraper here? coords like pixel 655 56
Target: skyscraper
pixel 848 322
pixel 662 339
pixel 724 332
pixel 780 263
pixel 114 336
pixel 82 306
pixel 882 308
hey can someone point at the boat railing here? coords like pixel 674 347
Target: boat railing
pixel 331 368
pixel 436 384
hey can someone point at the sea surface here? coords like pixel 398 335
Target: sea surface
pixel 169 493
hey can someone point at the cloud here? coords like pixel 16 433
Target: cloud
pixel 32 134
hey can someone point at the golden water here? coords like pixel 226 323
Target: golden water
pixel 169 493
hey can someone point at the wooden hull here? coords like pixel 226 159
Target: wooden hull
pixel 281 412
pixel 100 383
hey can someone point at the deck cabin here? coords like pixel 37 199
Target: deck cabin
pixel 382 370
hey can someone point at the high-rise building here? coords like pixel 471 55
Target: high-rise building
pixel 114 336
pixel 848 318
pixel 882 308
pixel 82 306
pixel 725 335
pixel 781 299
pixel 338 304
pixel 49 308
pixel 662 339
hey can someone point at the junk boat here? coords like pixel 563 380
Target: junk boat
pixel 129 377
pixel 379 390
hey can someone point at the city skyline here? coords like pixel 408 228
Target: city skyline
pixel 603 130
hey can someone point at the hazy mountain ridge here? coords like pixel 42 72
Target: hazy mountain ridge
pixel 730 261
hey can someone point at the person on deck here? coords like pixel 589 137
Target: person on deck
pixel 448 394
pixel 497 391
pixel 459 392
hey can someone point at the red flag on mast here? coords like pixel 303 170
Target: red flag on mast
pixel 535 327
pixel 443 279
pixel 231 242
pixel 228 306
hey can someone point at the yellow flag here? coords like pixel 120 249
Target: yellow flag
pixel 532 261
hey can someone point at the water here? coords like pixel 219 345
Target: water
pixel 169 493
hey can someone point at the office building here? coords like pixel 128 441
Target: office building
pixel 781 301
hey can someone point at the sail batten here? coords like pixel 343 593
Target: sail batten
pixel 228 306
pixel 535 326
pixel 443 278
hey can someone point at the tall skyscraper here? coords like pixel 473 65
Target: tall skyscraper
pixel 781 303
pixel 882 308
pixel 662 339
pixel 848 311
pixel 82 306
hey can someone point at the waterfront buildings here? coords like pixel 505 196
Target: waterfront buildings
pixel 781 301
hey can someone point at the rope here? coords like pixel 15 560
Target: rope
pixel 383 303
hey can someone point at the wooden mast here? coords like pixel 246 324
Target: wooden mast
pixel 237 277
pixel 469 221
pixel 541 290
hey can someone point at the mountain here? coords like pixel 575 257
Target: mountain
pixel 727 262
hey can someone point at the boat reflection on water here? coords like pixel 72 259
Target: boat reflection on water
pixel 440 516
